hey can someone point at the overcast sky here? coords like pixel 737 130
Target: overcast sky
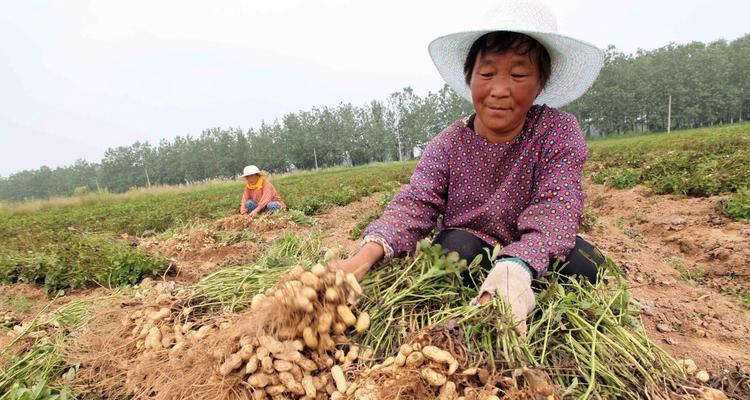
pixel 77 77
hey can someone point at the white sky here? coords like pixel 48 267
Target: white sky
pixel 77 77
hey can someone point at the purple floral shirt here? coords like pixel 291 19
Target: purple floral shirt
pixel 525 195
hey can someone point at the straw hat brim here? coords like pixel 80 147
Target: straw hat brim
pixel 252 170
pixel 575 64
pixel 263 173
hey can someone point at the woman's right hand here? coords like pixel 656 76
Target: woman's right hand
pixel 360 263
pixel 512 282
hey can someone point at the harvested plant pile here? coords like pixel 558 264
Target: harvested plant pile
pixel 422 371
pixel 276 330
pixel 292 341
pixel 35 351
pixel 262 223
pixel 587 338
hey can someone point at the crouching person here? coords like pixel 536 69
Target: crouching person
pixel 259 194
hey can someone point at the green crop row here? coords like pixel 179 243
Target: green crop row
pixel 73 246
pixel 699 162
pixel 77 260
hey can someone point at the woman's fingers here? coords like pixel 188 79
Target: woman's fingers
pixel 352 265
pixel 513 283
pixel 484 298
pixel 348 265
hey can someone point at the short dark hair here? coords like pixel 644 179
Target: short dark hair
pixel 503 41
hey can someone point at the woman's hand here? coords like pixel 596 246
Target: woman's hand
pixel 361 262
pixel 512 282
pixel 255 212
pixel 243 210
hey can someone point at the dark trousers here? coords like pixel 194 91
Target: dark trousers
pixel 585 259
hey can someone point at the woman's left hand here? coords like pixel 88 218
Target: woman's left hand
pixel 254 213
pixel 511 281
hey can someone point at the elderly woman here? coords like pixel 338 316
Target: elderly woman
pixel 259 194
pixel 510 174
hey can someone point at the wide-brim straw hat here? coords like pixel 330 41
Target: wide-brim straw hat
pixel 251 170
pixel 575 63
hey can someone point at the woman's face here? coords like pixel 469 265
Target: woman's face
pixel 252 179
pixel 503 89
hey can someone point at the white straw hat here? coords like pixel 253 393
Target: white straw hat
pixel 250 170
pixel 575 63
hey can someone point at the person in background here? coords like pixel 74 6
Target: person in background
pixel 510 174
pixel 259 194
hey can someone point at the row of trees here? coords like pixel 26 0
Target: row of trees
pixel 344 135
pixel 709 84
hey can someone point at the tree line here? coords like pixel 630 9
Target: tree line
pixel 709 84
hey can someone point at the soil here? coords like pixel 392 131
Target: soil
pixel 684 261
pixel 338 223
pixel 265 224
pixel 196 252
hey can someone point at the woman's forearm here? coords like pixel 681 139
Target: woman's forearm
pixel 371 253
pixel 360 263
pixel 413 212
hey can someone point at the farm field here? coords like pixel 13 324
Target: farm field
pixel 96 296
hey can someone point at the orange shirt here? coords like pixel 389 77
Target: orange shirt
pixel 266 194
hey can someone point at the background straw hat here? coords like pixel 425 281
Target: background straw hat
pixel 250 170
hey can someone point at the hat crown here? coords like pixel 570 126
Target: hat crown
pixel 250 170
pixel 527 15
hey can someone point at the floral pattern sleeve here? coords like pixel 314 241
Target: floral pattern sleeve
pixel 549 224
pixel 413 212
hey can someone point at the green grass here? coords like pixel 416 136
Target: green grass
pixel 590 221
pixel 42 361
pixel 38 391
pixel 18 304
pixel 232 288
pixel 310 192
pixel 588 338
pixel 698 162
pixel 626 228
pixel 741 295
pixel 692 276
pixel 737 206
pixel 231 237
pixel 625 178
